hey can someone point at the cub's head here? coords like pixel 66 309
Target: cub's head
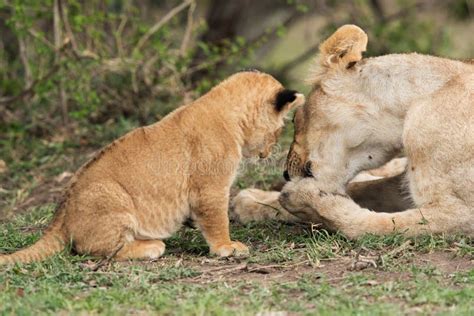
pixel 337 133
pixel 265 105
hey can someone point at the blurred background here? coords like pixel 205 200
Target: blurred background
pixel 76 74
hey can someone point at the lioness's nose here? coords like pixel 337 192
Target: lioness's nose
pixel 286 175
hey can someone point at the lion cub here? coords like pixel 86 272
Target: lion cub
pixel 140 189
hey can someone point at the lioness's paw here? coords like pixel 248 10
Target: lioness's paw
pixel 235 248
pixel 298 194
pixel 301 199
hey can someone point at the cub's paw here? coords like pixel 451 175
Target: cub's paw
pixel 235 248
pixel 255 205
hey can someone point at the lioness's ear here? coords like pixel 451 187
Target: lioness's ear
pixel 288 99
pixel 343 48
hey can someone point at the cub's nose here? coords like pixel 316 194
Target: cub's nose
pixel 286 175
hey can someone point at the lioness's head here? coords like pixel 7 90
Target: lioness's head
pixel 337 133
pixel 265 106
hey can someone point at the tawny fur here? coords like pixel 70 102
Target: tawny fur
pixel 139 190
pixel 359 116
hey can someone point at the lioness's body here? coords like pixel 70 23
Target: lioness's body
pixel 141 188
pixel 362 113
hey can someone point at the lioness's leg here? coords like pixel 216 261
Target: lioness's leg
pixel 340 213
pixel 141 249
pixel 383 195
pixel 345 215
pixel 211 216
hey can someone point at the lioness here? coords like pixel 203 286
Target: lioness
pixel 363 112
pixel 138 190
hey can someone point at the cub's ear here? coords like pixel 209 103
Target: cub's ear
pixel 343 48
pixel 288 99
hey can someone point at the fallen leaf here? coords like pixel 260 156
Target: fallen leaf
pixel 20 292
pixel 371 282
pixel 60 178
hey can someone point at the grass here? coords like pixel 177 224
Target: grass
pixel 291 269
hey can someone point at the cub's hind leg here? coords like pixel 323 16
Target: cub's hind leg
pixel 210 213
pixel 141 250
pixel 103 221
pixel 102 234
pixel 113 235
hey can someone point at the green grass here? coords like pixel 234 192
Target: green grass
pixel 291 268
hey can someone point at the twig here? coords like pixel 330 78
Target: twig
pixel 288 22
pixel 225 269
pixel 466 246
pixel 24 60
pixel 271 266
pixel 399 249
pixel 360 262
pixel 118 64
pixel 270 206
pixel 67 26
pixel 299 59
pixel 118 35
pixel 41 38
pixel 245 267
pixel 57 43
pixel 106 261
pixel 147 69
pixel 160 23
pixel 204 65
pixel 30 89
pixel 189 28
pixel 63 16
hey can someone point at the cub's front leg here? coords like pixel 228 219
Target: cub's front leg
pixel 209 210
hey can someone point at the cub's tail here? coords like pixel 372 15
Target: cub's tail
pixel 53 241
